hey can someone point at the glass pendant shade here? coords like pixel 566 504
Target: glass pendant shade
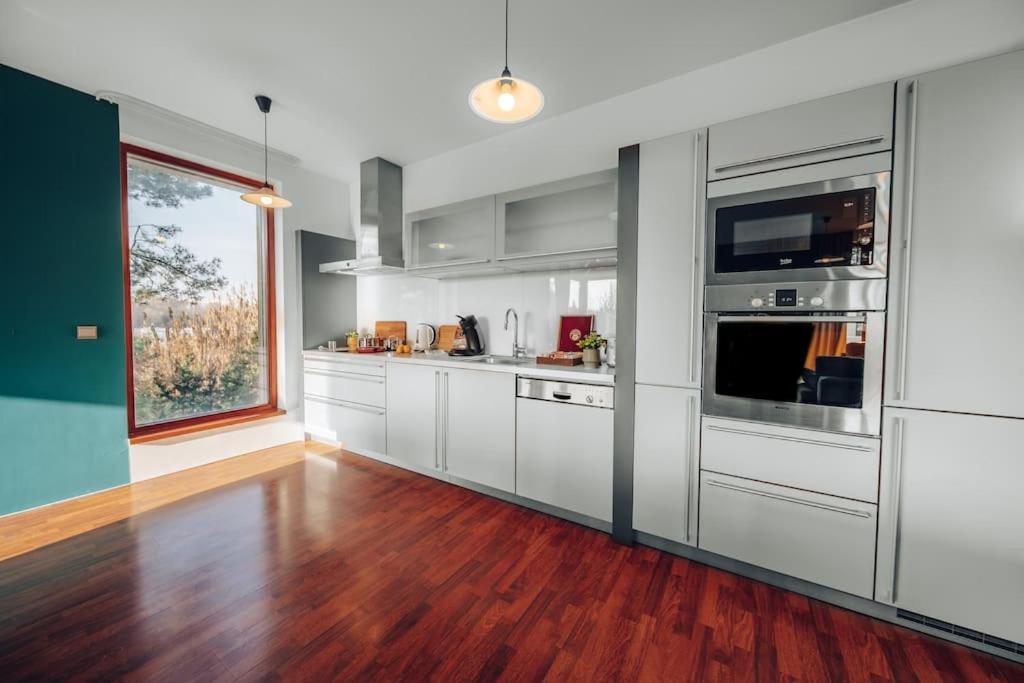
pixel 506 100
pixel 267 198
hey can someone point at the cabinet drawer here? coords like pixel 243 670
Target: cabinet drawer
pixel 362 367
pixel 845 125
pixel 835 464
pixel 345 386
pixel 356 427
pixel 826 540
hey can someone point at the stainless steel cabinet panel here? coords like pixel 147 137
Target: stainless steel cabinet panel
pixel 413 410
pixel 670 271
pixel 956 319
pixel 353 426
pixel 665 462
pixel 564 456
pixel 952 515
pixel 836 464
pixel 345 386
pixel 818 538
pixel 853 123
pixel 479 427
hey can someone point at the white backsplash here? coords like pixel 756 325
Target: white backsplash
pixel 539 298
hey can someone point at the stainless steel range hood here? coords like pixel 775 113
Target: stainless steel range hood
pixel 379 238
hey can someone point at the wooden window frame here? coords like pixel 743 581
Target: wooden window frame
pixel 142 433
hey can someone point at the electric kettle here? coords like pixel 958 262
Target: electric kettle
pixel 426 335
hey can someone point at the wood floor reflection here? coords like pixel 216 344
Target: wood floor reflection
pixel 339 567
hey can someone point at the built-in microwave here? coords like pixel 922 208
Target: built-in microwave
pixel 834 229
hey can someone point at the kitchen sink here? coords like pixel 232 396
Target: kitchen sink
pixel 500 360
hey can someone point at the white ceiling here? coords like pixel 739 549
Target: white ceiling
pixel 352 79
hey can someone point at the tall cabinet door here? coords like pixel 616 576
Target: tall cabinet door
pixel 956 319
pixel 951 528
pixel 665 462
pixel 670 277
pixel 479 427
pixel 414 393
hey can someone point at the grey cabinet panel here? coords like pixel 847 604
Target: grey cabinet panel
pixel 413 401
pixel 479 432
pixel 849 124
pixel 669 279
pixel 956 320
pixel 665 462
pixel 952 513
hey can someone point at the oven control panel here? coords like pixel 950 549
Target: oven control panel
pixel 838 295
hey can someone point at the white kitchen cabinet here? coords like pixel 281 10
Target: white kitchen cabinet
pixel 353 426
pixel 818 538
pixel 344 385
pixel 453 238
pixel 479 427
pixel 845 125
pixel 951 533
pixel 562 221
pixel 956 320
pixel 670 271
pixel 413 411
pixel 666 462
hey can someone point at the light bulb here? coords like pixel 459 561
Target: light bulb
pixel 507 101
pixel 266 201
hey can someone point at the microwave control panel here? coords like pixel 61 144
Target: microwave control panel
pixel 787 298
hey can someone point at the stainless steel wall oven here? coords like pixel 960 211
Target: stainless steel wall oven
pixel 771 355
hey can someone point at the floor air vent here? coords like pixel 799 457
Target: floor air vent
pixel 970 634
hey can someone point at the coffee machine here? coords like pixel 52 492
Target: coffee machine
pixel 474 346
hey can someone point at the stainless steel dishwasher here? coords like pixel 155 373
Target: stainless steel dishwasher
pixel 564 445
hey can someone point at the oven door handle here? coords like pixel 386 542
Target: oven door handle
pixel 772 318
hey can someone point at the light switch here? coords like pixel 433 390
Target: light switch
pixel 87 332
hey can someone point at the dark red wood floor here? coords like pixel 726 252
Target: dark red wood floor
pixel 354 570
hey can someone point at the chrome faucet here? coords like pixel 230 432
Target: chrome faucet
pixel 517 350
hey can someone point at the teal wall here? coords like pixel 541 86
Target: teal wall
pixel 63 426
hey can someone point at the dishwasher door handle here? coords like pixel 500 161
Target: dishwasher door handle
pixel 561 396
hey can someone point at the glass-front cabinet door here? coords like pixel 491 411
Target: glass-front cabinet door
pixel 575 217
pixel 451 236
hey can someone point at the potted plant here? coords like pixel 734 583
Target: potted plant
pixel 591 345
pixel 352 339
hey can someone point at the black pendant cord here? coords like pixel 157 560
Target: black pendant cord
pixel 506 35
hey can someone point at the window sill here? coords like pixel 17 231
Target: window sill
pixel 172 431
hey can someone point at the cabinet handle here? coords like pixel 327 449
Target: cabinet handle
pixel 340 374
pixel 344 404
pixel 873 140
pixel 897 495
pixel 908 231
pixel 437 419
pixel 564 252
pixel 444 431
pixel 690 412
pixel 695 284
pixel 790 499
pixel 780 437
pixel 435 266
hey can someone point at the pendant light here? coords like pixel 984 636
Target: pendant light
pixel 266 196
pixel 506 99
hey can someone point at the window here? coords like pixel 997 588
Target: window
pixel 199 294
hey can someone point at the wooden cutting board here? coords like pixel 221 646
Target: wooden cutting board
pixel 390 328
pixel 446 335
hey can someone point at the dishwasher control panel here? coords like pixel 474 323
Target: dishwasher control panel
pixel 590 395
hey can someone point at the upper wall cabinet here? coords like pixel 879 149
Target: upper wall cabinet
pixel 850 124
pixel 455 238
pixel 955 315
pixel 568 222
pixel 670 271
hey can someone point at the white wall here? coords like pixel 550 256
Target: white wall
pixel 539 299
pixel 321 204
pixel 907 39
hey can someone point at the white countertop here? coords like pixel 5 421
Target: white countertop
pixel 577 373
